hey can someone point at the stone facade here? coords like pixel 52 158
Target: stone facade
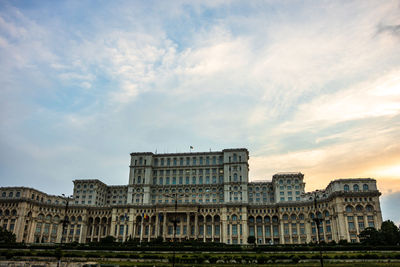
pixel 215 203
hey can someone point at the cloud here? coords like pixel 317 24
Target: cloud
pixel 389 205
pixel 306 87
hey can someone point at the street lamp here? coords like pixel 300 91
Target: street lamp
pixel 318 221
pixel 175 197
pixel 65 222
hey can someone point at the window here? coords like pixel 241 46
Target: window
pixel 349 209
pixel 294 229
pixel 355 188
pixel 346 188
pixel 365 187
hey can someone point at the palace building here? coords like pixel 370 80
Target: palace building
pixel 203 196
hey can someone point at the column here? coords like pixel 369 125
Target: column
pixel 124 233
pixel 230 232
pixel 188 225
pixel 212 229
pixel 281 235
pixel 165 226
pixel 290 233
pixel 150 225
pixel 263 232
pixel 307 225
pixel 272 233
pixel 181 229
pixel 196 226
pixel 204 230
pixel 356 226
pixel 347 236
pixel 134 229
pixel 245 228
pixel 141 229
pixel 157 225
pixel 256 231
pixel 92 234
pixel 221 230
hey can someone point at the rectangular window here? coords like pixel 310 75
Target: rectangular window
pixel 276 231
pixel 294 228
pixel 209 230
pixel 54 229
pixel 259 230
pixel 251 230
pixel 286 228
pixel 217 229
pixel 234 229
pixel 302 229
pixel 267 231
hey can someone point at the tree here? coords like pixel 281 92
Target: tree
pixel 107 240
pixel 370 236
pixel 251 239
pixel 6 236
pixel 390 233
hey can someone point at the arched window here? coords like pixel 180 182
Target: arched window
pixel 267 219
pixel 234 218
pixel 251 219
pixel 369 208
pixel 274 219
pixel 285 217
pixel 235 177
pixel 293 217
pixel 349 208
pixel 359 208
pixel 326 213
pixel 301 216
pixel 365 187
pixel 355 188
pixel 346 188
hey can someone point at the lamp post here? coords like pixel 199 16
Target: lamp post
pixel 318 223
pixel 175 221
pixel 64 224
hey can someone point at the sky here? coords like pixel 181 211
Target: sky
pixel 309 86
